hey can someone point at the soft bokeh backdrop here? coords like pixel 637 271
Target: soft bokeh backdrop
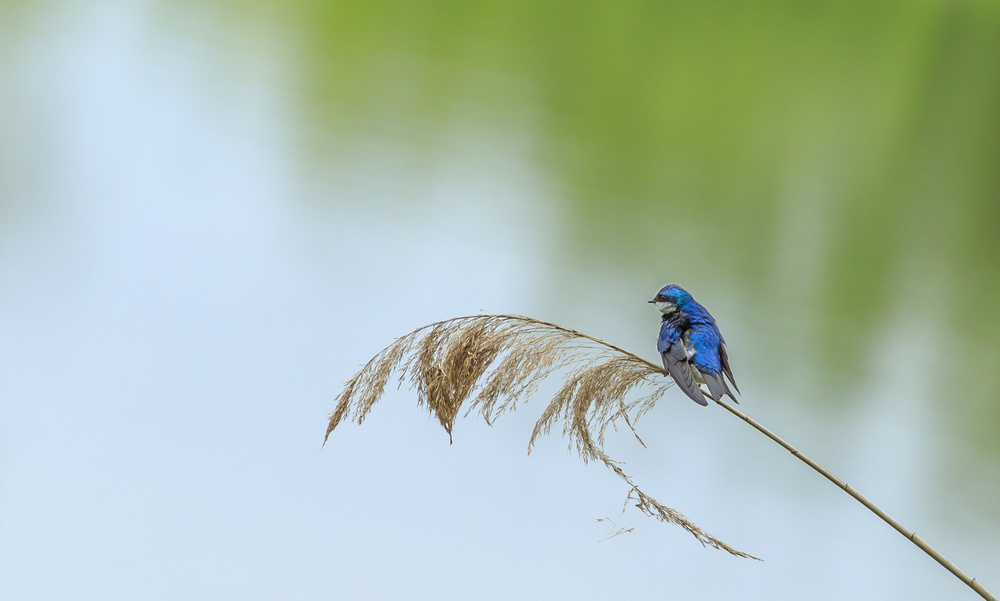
pixel 211 214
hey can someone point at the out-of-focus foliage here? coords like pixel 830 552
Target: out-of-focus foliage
pixel 719 140
pixel 824 160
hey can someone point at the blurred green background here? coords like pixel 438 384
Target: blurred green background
pixel 220 209
pixel 822 160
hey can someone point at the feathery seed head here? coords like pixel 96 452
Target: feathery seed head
pixel 490 363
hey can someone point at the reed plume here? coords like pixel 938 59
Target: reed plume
pixel 491 363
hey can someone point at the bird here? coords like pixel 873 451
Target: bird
pixel 692 347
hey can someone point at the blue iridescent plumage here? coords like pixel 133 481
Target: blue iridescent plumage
pixel 692 347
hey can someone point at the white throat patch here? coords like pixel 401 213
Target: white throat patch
pixel 665 307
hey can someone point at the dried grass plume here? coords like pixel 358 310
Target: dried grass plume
pixel 491 363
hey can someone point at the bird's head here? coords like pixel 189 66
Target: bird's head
pixel 670 298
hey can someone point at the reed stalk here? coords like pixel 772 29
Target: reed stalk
pixel 493 362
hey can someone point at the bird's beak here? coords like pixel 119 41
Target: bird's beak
pixel 651 301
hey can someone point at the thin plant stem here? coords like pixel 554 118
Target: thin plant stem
pixel 888 519
pixel 447 361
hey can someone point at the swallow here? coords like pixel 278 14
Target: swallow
pixel 692 347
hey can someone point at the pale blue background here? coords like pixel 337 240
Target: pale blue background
pixel 191 265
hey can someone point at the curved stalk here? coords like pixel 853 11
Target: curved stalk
pixel 881 513
pixel 448 360
pixel 888 519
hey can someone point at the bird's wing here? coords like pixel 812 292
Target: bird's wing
pixel 724 359
pixel 669 334
pixel 716 385
pixel 675 360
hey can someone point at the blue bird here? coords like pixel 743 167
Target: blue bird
pixel 691 345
